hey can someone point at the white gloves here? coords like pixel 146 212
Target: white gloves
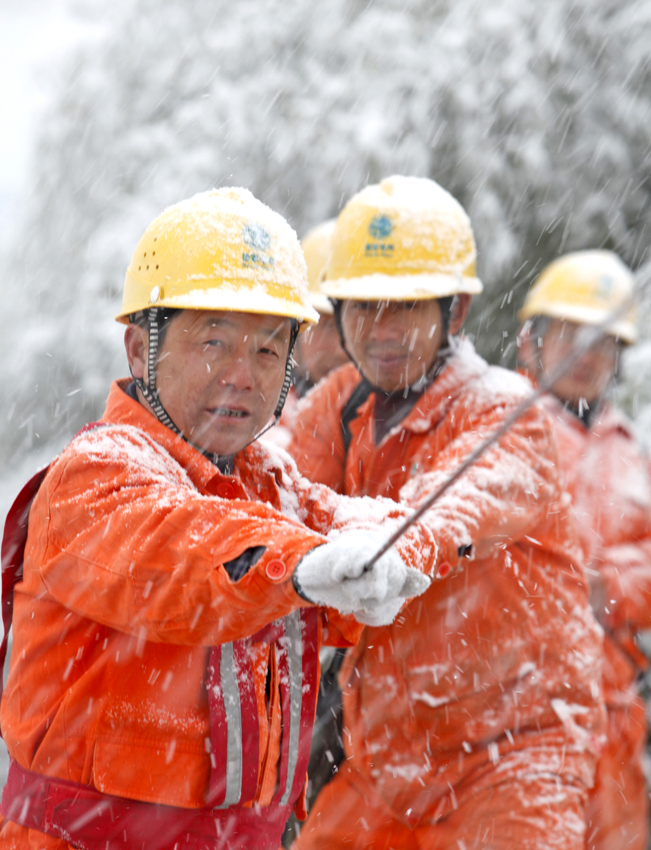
pixel 333 575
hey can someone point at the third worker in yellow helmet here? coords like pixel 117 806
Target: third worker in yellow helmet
pixel 607 475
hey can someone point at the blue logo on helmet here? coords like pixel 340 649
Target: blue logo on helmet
pixel 605 286
pixel 380 227
pixel 255 236
pixel 258 240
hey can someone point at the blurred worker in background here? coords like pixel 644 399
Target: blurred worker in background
pixel 474 720
pixel 165 661
pixel 318 350
pixel 607 474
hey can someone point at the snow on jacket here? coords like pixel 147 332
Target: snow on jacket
pixel 125 591
pixel 502 655
pixel 609 479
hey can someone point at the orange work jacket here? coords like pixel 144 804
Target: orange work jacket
pixel 124 593
pixel 608 476
pixel 502 655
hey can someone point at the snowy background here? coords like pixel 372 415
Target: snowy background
pixel 536 116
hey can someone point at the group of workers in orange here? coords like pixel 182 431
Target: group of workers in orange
pixel 171 577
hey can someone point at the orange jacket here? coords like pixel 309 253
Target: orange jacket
pixel 504 654
pixel 608 477
pixel 124 593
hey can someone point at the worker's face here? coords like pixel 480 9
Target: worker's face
pixel 591 374
pixel 396 342
pixel 319 351
pixel 219 374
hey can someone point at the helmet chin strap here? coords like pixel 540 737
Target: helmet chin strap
pixel 420 384
pixel 150 392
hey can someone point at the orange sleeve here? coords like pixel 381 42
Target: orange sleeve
pixel 123 540
pixel 503 495
pixel 626 575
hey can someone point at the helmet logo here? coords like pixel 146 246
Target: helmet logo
pixel 380 227
pixel 379 230
pixel 255 236
pixel 258 239
pixel 605 286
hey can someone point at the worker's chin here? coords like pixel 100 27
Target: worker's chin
pixel 226 439
pixel 576 392
pixel 389 380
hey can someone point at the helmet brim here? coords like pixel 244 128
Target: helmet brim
pixel 249 299
pixel 624 328
pixel 412 287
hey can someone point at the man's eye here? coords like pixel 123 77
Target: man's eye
pixel 270 351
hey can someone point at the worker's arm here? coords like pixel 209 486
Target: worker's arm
pixel 505 494
pixel 119 534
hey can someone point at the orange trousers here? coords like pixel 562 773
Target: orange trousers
pixel 617 811
pixel 522 811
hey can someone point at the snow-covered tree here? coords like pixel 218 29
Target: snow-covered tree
pixel 535 115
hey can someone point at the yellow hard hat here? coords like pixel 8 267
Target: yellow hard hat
pixel 219 250
pixel 584 287
pixel 404 239
pixel 316 248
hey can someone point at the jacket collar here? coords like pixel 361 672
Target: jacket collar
pixel 121 409
pixel 607 419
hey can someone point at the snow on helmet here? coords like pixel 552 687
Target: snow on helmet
pixel 404 239
pixel 316 248
pixel 219 250
pixel 584 287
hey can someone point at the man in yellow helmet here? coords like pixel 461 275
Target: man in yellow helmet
pixel 165 571
pixel 472 721
pixel 318 350
pixel 607 474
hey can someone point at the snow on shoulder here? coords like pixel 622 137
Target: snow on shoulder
pixel 128 446
pixel 293 488
pixel 493 383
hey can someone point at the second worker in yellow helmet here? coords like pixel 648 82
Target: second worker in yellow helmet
pixel 473 720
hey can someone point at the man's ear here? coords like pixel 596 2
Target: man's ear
pixel 136 346
pixel 459 312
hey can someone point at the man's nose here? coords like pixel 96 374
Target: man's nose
pixel 238 374
pixel 389 327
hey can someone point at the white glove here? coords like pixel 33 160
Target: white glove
pixel 334 575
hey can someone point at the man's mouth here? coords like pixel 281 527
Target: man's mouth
pixel 229 411
pixel 387 357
